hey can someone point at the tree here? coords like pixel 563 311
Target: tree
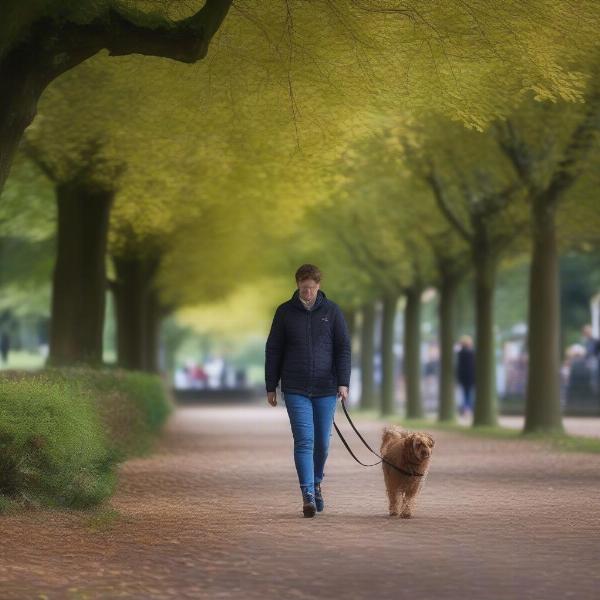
pixel 451 55
pixel 83 201
pixel 480 201
pixel 292 97
pixel 139 309
pixel 343 230
pixel 98 155
pixel 436 251
pixel 367 353
pixel 54 37
pixel 343 243
pixel 373 198
pixel 548 160
pixel 451 257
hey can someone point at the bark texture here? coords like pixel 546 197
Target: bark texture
pixel 543 384
pixel 412 353
pixel 447 310
pixel 79 277
pixel 388 387
pixel 367 352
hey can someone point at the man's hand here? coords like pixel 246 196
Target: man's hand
pixel 343 392
pixel 272 398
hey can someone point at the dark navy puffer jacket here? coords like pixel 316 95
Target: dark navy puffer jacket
pixel 309 350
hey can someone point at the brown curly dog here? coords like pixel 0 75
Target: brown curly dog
pixel 411 451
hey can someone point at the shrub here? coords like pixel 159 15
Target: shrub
pixel 53 449
pixel 64 430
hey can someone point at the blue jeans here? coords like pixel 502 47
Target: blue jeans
pixel 311 421
pixel 467 403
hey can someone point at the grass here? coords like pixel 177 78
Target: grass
pixel 557 441
pixel 28 360
pixel 22 359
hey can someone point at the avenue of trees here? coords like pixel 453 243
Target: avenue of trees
pixel 480 209
pixel 190 149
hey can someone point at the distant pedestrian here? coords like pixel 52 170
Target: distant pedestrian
pixel 580 390
pixel 590 342
pixel 309 349
pixel 465 373
pixel 592 357
pixel 4 346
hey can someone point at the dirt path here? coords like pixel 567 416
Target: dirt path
pixel 216 513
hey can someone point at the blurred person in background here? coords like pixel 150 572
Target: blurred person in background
pixel 465 373
pixel 4 346
pixel 590 343
pixel 579 382
pixel 592 356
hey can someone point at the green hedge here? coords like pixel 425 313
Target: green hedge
pixel 63 432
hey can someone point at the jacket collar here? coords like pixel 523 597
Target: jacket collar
pixel 295 300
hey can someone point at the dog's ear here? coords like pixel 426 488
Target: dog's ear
pixel 430 440
pixel 387 433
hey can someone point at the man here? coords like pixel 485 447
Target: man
pixel 4 346
pixel 308 348
pixel 590 343
pixel 465 372
pixel 592 357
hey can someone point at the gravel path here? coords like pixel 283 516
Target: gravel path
pixel 216 513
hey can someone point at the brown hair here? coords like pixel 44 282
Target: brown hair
pixel 308 271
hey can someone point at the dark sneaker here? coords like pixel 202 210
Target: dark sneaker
pixel 309 507
pixel 319 497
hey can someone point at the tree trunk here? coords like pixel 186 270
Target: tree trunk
pixel 447 306
pixel 388 387
pixel 542 412
pixel 79 279
pixel 137 313
pixel 21 88
pixel 367 351
pixel 152 314
pixel 485 361
pixel 129 311
pixel 412 353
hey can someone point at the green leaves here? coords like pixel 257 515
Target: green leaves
pixel 263 152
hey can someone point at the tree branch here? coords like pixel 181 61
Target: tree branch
pixel 57 46
pixel 440 197
pixel 495 202
pixel 582 140
pixel 185 41
pixel 380 280
pixel 516 150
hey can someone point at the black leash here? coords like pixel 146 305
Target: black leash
pixel 415 474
